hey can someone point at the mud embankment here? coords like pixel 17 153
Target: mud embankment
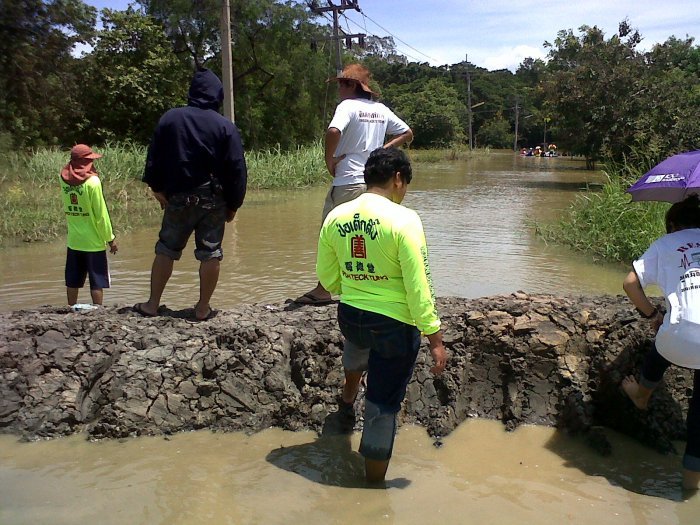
pixel 520 358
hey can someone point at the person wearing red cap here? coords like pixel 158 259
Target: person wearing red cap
pixel 360 125
pixel 89 226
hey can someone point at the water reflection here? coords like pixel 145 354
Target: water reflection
pixel 478 217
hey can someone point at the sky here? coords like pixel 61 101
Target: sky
pixel 499 34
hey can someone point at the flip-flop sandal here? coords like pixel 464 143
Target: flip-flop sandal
pixel 309 299
pixel 138 308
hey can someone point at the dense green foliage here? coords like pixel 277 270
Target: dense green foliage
pixel 134 78
pixel 40 85
pixel 595 95
pixel 610 101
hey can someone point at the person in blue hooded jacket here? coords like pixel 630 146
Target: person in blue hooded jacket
pixel 196 168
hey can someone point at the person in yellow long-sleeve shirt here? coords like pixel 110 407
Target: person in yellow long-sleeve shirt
pixel 89 226
pixel 372 251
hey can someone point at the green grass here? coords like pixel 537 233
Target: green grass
pixel 457 152
pixel 278 169
pixel 606 224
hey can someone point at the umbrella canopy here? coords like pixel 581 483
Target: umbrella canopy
pixel 671 180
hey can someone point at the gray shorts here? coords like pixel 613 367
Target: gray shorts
pixel 203 212
pixel 340 194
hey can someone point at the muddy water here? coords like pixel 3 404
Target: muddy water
pixel 481 474
pixel 477 217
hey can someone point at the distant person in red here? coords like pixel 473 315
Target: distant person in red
pixel 89 226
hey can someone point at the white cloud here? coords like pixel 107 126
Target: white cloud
pixel 510 58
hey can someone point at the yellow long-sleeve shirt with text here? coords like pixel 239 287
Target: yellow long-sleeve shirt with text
pixel 89 226
pixel 373 253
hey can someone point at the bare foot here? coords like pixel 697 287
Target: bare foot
pixel 203 313
pixel 636 392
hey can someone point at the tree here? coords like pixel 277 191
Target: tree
pixel 134 78
pixel 36 41
pixel 495 133
pixel 192 26
pixel 434 111
pixel 382 48
pixel 591 89
pixel 671 97
pixel 279 81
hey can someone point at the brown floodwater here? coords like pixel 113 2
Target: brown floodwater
pixel 478 220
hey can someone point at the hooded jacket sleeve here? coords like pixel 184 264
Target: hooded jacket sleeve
pixel 232 171
pixel 153 175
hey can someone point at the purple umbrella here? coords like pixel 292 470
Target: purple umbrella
pixel 671 180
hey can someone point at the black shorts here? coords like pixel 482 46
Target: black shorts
pixel 87 264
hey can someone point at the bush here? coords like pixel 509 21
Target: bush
pixel 607 224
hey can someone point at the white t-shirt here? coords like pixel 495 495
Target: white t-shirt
pixel 363 124
pixel 673 263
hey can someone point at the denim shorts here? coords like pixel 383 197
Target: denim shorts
pixel 201 211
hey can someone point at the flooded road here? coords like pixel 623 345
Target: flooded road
pixel 478 220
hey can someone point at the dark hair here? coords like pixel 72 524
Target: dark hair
pixel 684 214
pixel 361 93
pixel 383 163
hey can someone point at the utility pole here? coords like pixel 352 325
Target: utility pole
pixel 469 100
pixel 226 65
pixel 517 115
pixel 336 10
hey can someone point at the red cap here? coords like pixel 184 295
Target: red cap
pixel 83 151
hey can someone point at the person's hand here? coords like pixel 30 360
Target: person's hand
pixel 161 198
pixel 439 358
pixel 333 162
pixel 230 215
pixel 656 321
pixel 113 248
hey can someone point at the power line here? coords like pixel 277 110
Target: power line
pixel 408 55
pixel 396 37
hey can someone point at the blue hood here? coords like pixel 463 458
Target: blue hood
pixel 206 91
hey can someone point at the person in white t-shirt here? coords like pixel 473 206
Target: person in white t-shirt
pixel 360 125
pixel 673 263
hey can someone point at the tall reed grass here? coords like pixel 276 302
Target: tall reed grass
pixel 607 224
pixel 299 168
pixel 456 152
pixel 31 203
